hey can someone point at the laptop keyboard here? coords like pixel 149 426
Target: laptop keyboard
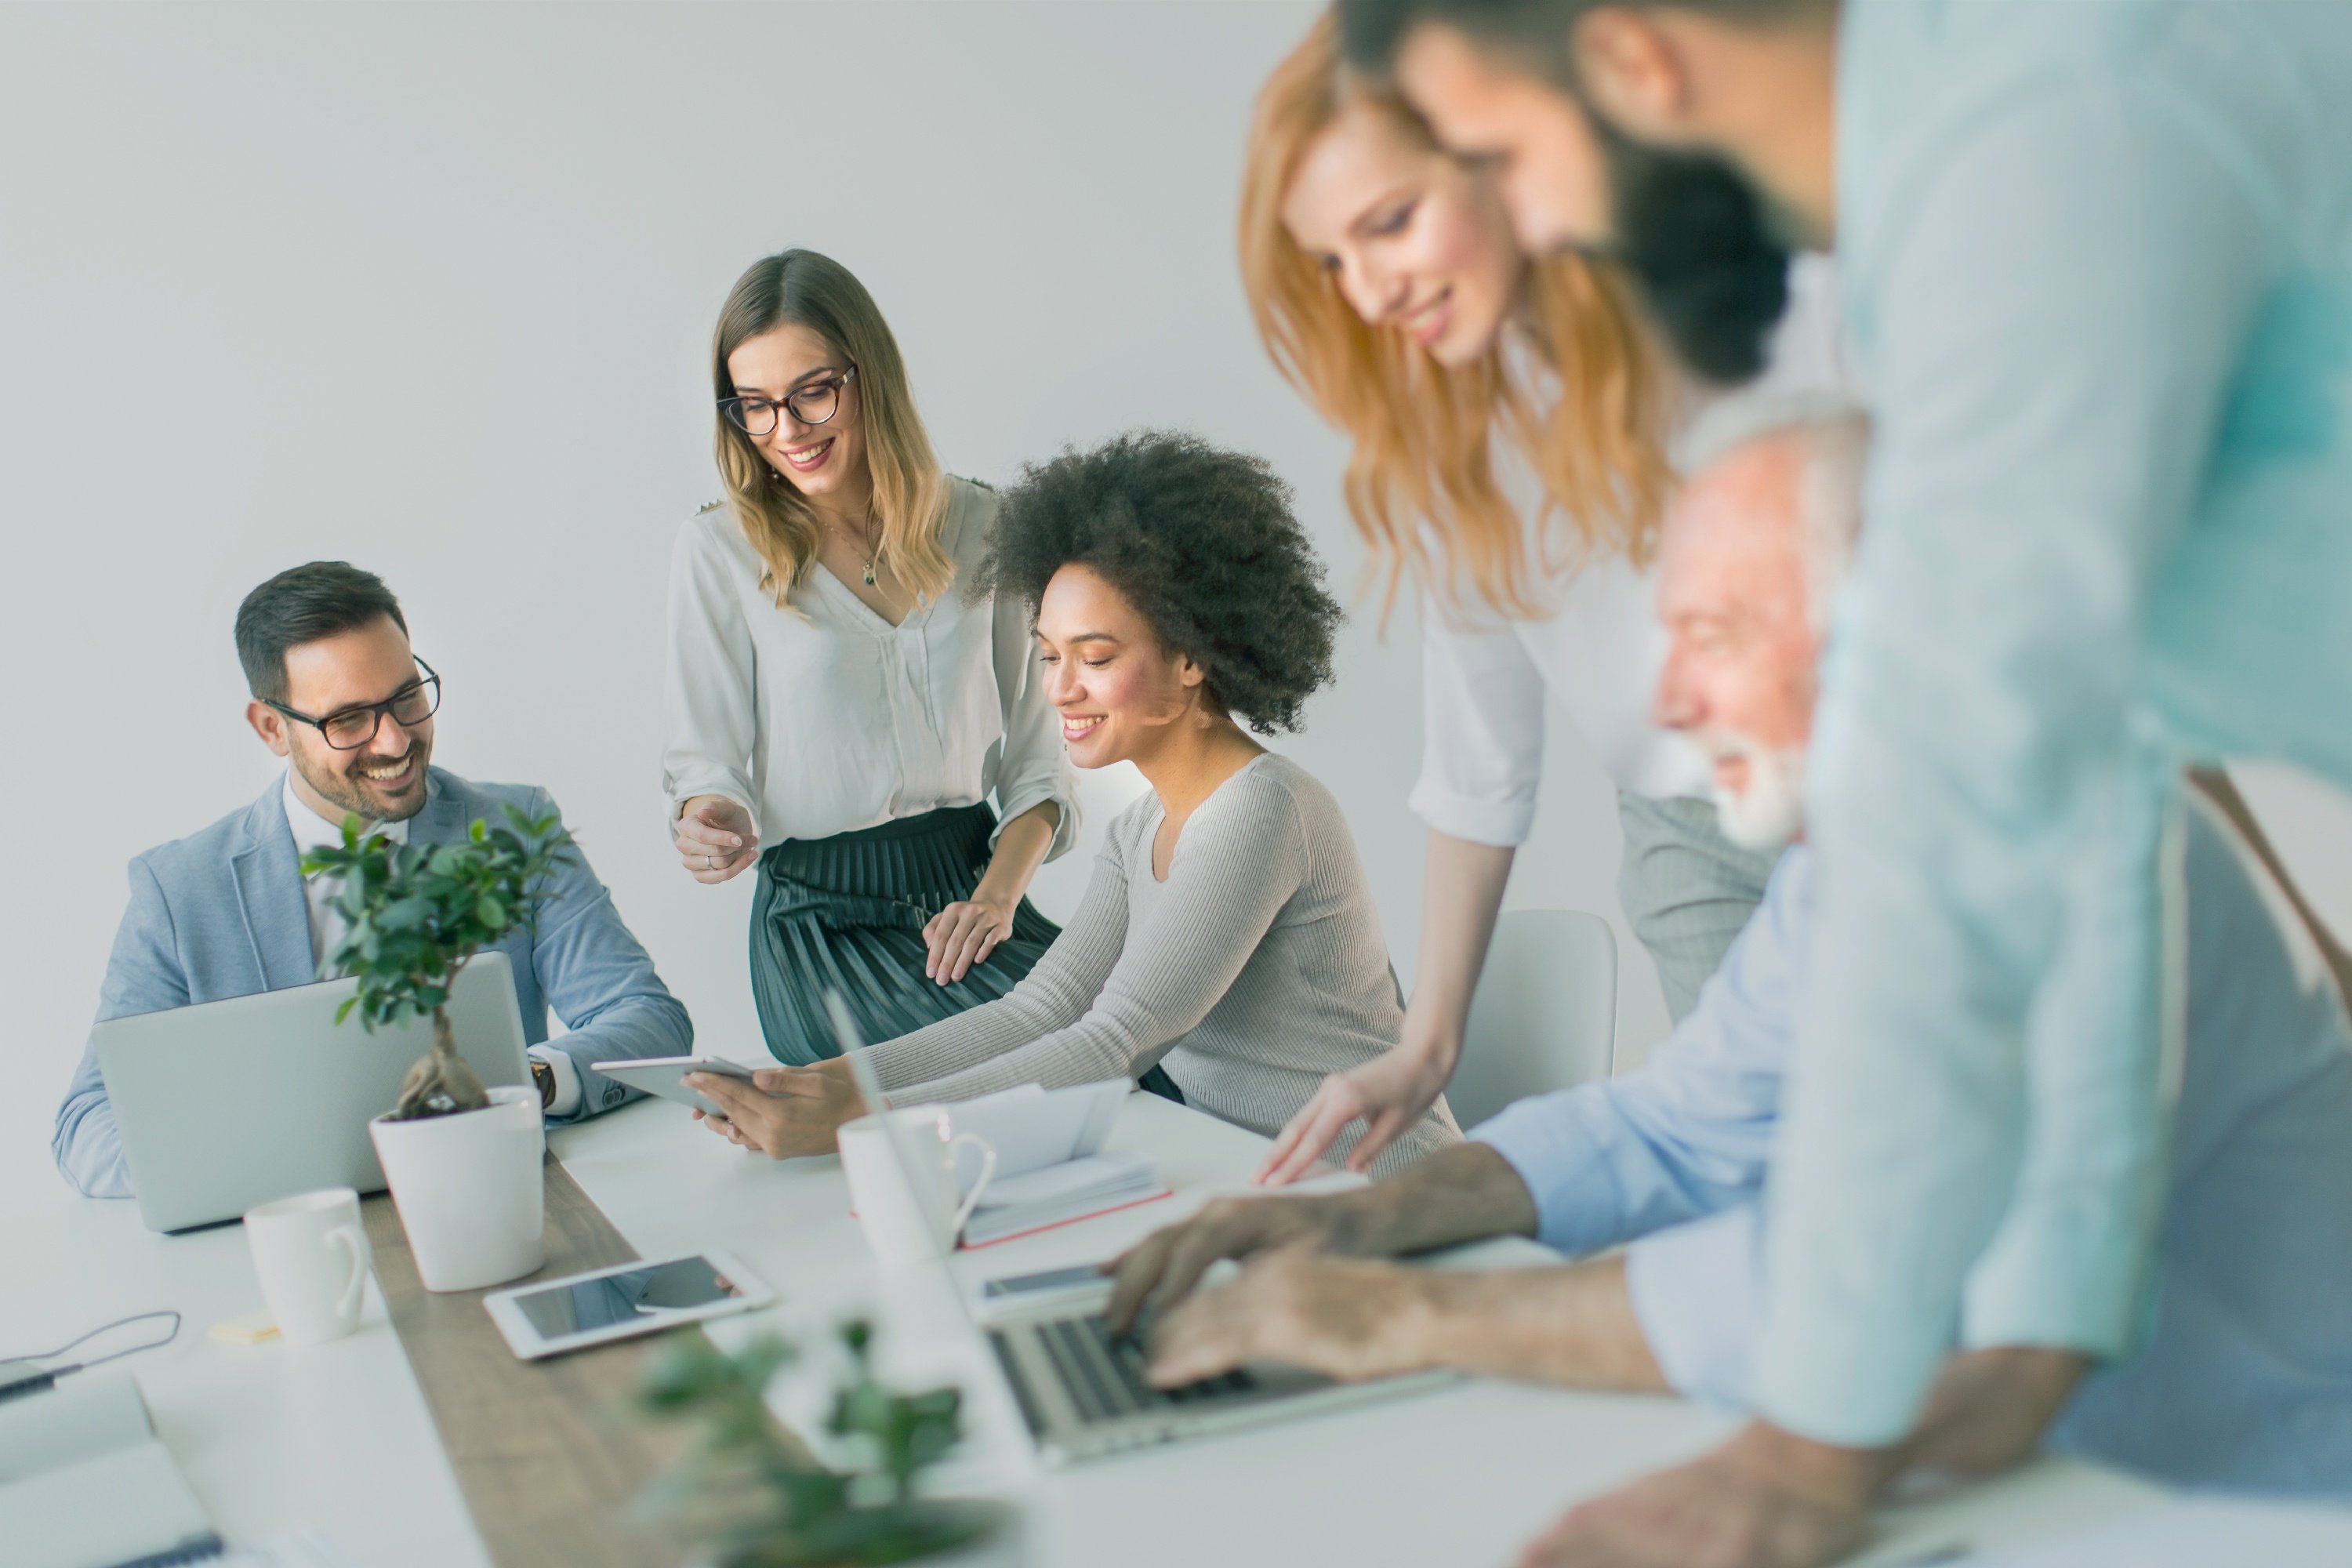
pixel 1105 1375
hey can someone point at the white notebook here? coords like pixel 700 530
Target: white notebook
pixel 1061 1193
pixel 85 1484
pixel 1032 1127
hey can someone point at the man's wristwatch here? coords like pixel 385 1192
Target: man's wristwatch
pixel 543 1075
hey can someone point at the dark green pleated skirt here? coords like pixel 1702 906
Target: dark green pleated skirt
pixel 847 913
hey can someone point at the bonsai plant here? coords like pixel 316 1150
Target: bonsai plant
pixel 414 915
pixel 763 1503
pixel 464 1163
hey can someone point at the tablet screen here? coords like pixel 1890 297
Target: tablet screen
pixel 640 1295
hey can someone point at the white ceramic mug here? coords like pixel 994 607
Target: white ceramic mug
pixel 900 1225
pixel 313 1256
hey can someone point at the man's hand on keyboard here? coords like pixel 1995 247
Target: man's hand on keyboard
pixel 1460 1194
pixel 1170 1262
pixel 1343 1317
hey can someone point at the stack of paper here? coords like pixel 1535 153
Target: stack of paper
pixel 1072 1190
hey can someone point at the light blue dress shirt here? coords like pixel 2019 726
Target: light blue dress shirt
pixel 2245 1376
pixel 2097 262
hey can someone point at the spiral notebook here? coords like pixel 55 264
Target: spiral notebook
pixel 85 1484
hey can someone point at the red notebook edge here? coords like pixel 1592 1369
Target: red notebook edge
pixel 1074 1219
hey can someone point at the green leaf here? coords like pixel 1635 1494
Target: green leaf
pixel 491 914
pixel 405 914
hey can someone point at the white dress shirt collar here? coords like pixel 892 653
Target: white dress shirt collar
pixel 313 831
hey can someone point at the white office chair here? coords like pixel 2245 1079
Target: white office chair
pixel 1545 1013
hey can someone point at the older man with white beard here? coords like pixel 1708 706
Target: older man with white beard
pixel 2244 1377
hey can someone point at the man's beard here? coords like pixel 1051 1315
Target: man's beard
pixel 1770 812
pixel 339 788
pixel 1698 242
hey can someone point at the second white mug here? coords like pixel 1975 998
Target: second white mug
pixel 312 1255
pixel 907 1224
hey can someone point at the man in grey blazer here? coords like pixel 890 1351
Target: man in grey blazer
pixel 338 693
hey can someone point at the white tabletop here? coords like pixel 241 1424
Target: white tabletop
pixel 1464 1474
pixel 270 1437
pixel 337 1435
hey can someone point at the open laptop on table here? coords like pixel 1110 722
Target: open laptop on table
pixel 1082 1391
pixel 225 1105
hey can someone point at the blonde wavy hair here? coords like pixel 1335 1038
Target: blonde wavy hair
pixel 909 491
pixel 1422 465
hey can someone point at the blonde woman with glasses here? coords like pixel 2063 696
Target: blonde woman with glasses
pixel 840 713
pixel 1512 422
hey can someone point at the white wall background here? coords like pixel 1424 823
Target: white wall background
pixel 429 287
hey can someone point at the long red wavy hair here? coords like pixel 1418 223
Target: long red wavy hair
pixel 1421 482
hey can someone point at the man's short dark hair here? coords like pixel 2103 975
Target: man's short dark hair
pixel 1201 542
pixel 1535 33
pixel 304 605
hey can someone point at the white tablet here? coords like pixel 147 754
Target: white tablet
pixel 549 1316
pixel 660 1076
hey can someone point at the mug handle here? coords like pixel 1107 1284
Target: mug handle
pixel 972 1198
pixel 354 1243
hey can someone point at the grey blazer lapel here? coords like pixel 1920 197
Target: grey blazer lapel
pixel 268 883
pixel 446 815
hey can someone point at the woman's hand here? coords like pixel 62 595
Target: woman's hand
pixel 714 837
pixel 783 1111
pixel 1388 1094
pixel 964 934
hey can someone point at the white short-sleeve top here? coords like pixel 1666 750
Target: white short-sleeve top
pixel 834 719
pixel 1596 653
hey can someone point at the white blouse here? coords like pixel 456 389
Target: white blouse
pixel 841 721
pixel 1485 676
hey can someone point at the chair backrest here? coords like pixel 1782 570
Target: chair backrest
pixel 1545 1013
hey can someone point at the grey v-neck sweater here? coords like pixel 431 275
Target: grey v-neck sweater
pixel 1253 969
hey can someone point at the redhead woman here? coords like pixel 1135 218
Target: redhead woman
pixel 840 714
pixel 1228 936
pixel 1511 422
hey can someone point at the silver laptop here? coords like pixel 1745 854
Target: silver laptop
pixel 228 1104
pixel 1082 1391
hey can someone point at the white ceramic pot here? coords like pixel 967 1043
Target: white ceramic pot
pixel 470 1191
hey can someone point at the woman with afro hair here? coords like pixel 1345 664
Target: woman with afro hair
pixel 1228 937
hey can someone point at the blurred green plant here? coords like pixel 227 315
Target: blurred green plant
pixel 762 1502
pixel 414 915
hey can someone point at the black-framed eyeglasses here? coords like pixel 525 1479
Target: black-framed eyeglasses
pixel 349 729
pixel 812 404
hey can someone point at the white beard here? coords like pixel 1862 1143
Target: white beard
pixel 1770 812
